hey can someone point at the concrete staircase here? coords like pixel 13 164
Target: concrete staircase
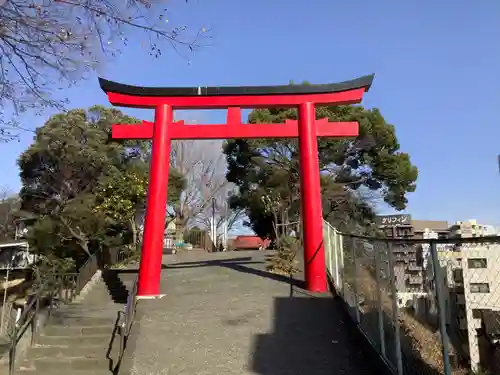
pixel 79 338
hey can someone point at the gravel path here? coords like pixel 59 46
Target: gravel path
pixel 223 314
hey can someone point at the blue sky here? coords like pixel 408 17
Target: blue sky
pixel 436 65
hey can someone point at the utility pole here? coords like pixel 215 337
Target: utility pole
pixel 225 222
pixel 214 225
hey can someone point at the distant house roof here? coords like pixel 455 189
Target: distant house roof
pixel 249 242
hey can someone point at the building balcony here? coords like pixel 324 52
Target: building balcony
pixel 404 257
pixel 413 268
pixel 414 280
pixel 404 250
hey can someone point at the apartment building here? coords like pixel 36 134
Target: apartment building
pixel 471 290
pixel 471 228
pixel 469 274
pixel 481 292
pixel 409 259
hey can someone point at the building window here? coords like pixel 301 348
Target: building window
pixel 458 275
pixel 479 288
pixel 404 231
pixel 477 313
pixel 477 263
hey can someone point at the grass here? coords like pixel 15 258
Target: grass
pixel 416 339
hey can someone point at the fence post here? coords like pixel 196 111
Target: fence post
pixel 336 251
pixel 395 309
pixel 329 251
pixel 339 254
pixel 380 309
pixel 334 257
pixel 440 308
pixel 355 283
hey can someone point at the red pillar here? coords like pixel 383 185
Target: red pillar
pixel 154 226
pixel 312 217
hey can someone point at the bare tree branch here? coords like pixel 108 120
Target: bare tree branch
pixel 203 166
pixel 46 45
pixel 223 213
pixel 76 233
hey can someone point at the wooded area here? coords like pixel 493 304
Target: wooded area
pixel 88 192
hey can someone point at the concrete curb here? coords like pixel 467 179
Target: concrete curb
pixel 88 287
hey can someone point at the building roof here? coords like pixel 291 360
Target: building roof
pixel 249 242
pixel 434 225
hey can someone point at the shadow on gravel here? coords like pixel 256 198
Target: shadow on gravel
pixel 241 264
pixel 312 335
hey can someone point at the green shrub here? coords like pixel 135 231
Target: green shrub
pixel 283 261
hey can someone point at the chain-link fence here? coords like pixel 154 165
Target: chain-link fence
pixel 427 306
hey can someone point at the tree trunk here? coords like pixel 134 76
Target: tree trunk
pixel 133 229
pixel 180 227
pixel 78 235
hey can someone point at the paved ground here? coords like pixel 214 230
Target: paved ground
pixel 223 314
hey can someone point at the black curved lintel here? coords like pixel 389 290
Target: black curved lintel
pixel 120 88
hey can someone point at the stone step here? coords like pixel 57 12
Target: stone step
pixel 76 331
pixel 86 307
pixel 102 319
pixel 96 340
pixel 80 320
pixel 59 352
pixel 56 372
pixel 105 295
pixel 78 308
pixel 77 337
pixel 61 365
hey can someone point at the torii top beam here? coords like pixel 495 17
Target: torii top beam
pixel 348 92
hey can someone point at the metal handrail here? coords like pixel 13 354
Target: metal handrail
pixel 127 320
pixel 27 318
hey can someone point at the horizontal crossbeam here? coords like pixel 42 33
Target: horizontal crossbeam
pixel 178 130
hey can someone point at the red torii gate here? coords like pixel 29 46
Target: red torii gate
pixel 164 129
